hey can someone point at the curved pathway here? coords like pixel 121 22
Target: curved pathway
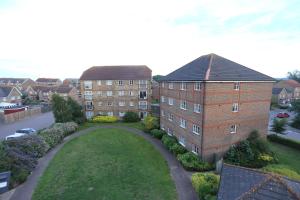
pixel 181 177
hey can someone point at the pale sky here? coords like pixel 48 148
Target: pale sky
pixel 62 38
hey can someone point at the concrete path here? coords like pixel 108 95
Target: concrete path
pixel 181 177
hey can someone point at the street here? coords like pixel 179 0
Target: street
pixel 290 132
pixel 37 122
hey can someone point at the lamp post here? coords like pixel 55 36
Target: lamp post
pixel 4 181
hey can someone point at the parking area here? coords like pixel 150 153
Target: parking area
pixel 37 122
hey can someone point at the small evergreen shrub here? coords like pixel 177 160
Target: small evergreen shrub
pixel 168 141
pixel 105 119
pixel 150 123
pixel 131 117
pixel 177 149
pixel 206 185
pixel 157 133
pixel 192 162
pixel 68 127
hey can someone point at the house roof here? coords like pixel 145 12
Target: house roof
pixel 59 89
pixel 5 90
pixel 123 72
pixel 43 88
pixel 276 90
pixel 287 84
pixel 13 80
pixel 212 67
pixel 47 80
pixel 63 89
pixel 244 183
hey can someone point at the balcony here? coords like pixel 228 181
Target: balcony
pixel 143 107
pixel 89 107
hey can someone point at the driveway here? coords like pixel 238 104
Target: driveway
pixel 37 122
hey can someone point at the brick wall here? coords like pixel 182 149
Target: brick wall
pixel 10 118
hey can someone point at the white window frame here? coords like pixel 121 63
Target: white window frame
pixel 109 82
pixel 131 103
pixel 163 84
pixel 183 123
pixel 98 82
pixel 197 86
pixel 196 129
pixel 88 85
pixel 120 82
pixel 169 132
pixel 121 93
pixel 131 93
pixel 162 99
pixel 109 93
pixel 181 140
pixel 171 85
pixel 109 103
pixel 236 85
pixel 162 112
pixel 195 149
pixel 170 117
pixel 233 128
pixel 122 103
pixel 110 113
pixel 183 86
pixel 162 127
pixel 170 101
pixel 131 82
pixel 121 114
pixel 100 103
pixel 235 107
pixel 183 104
pixel 197 108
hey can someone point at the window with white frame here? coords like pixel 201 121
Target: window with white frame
pixel 171 101
pixel 162 127
pixel 170 117
pixel 100 103
pixel 182 123
pixel 109 103
pixel 171 85
pixel 88 85
pixel 169 132
pixel 131 103
pixel 197 108
pixel 108 82
pixel 235 107
pixel 120 82
pixel 98 82
pixel 195 149
pixel 162 99
pixel 143 105
pixel 143 95
pixel 121 103
pixel 131 93
pixel 130 82
pixel 109 93
pixel 183 86
pixel 89 114
pixel 197 86
pixel 196 129
pixel 236 86
pixel 181 140
pixel 88 95
pixel 162 112
pixel 121 114
pixel 183 104
pixel 99 93
pixel 163 84
pixel 110 113
pixel 233 128
pixel 121 93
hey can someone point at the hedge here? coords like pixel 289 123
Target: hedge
pixel 285 141
pixel 131 117
pixel 52 136
pixel 105 119
pixel 192 162
pixel 68 127
pixel 206 185
pixel 157 133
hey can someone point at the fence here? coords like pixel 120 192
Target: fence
pixel 10 118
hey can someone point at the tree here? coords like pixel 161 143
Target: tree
pixel 295 75
pixel 76 110
pixel 157 77
pixel 61 110
pixel 279 125
pixel 296 108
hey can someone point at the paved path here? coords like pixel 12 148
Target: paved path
pixel 181 177
pixel 37 122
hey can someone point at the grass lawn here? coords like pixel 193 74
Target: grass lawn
pixel 107 164
pixel 137 125
pixel 288 159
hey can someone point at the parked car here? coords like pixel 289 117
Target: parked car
pixel 20 133
pixel 283 115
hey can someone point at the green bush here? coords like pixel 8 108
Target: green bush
pixel 68 127
pixel 168 141
pixel 192 162
pixel 52 136
pixel 206 185
pixel 296 122
pixel 177 149
pixel 131 117
pixel 157 133
pixel 278 125
pixel 150 123
pixel 284 141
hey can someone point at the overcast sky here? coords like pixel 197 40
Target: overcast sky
pixel 62 38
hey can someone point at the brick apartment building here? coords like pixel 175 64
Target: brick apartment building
pixel 113 90
pixel 212 102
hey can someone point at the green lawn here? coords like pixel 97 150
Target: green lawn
pixel 137 125
pixel 107 164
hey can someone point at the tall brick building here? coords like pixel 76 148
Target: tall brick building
pixel 212 102
pixel 113 90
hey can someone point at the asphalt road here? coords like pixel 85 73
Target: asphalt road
pixel 37 122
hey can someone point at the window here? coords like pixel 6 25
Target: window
pixel 121 93
pixel 183 86
pixel 98 82
pixel 120 82
pixel 196 129
pixel 130 82
pixel 183 104
pixel 89 114
pixel 163 84
pixel 88 95
pixel 109 82
pixel 143 94
pixel 197 86
pixel 233 128
pixel 99 93
pixel 110 113
pixel 171 85
pixel 88 85
pixel 235 107
pixel 121 103
pixel 182 140
pixel 236 86
pixel 89 105
pixel 169 132
pixel 121 114
pixel 162 112
pixel 171 117
pixel 100 103
pixel 197 108
pixel 131 93
pixel 162 127
pixel 171 101
pixel 109 103
pixel 131 103
pixel 142 83
pixel 182 123
pixel 162 99
pixel 143 105
pixel 195 149
pixel 109 93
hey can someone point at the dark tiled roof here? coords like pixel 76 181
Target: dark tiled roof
pixel 63 89
pixel 212 67
pixel 43 88
pixel 276 90
pixel 243 183
pixel 128 72
pixel 47 80
pixel 287 84
pixel 13 80
pixel 5 90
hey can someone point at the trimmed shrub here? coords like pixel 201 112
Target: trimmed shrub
pixel 131 117
pixel 105 119
pixel 52 136
pixel 68 127
pixel 150 123
pixel 284 141
pixel 206 185
pixel 168 141
pixel 192 162
pixel 157 133
pixel 177 149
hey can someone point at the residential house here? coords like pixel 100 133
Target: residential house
pixel 244 183
pixel 212 103
pixel 282 95
pixel 10 94
pixel 114 90
pixel 20 83
pixel 51 82
pixel 72 82
pixel 44 93
pixel 290 85
pixel 66 91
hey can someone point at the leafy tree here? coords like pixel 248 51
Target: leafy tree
pixel 278 125
pixel 157 77
pixel 296 109
pixel 61 110
pixel 295 75
pixel 76 110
